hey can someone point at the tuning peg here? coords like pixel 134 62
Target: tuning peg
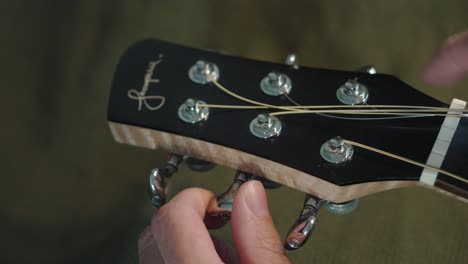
pixel 291 60
pixel 203 72
pixel 275 83
pixel 192 111
pixel 303 227
pixel 370 69
pixel 342 208
pixel 226 199
pixel 199 165
pixel 158 177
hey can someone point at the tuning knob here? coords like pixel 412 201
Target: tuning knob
pixel 226 199
pixel 199 165
pixel 291 60
pixel 158 177
pixel 342 208
pixel 370 69
pixel 305 224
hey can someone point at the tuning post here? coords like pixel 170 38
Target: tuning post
pixel 336 151
pixel 158 178
pixel 291 60
pixel 265 126
pixel 342 208
pixel 352 92
pixel 305 224
pixel 275 84
pixel 226 199
pixel 370 69
pixel 193 111
pixel 203 72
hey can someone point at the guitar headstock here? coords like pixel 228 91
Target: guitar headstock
pixel 335 135
pixel 153 81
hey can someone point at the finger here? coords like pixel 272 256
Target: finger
pixel 179 230
pixel 450 63
pixel 147 249
pixel 226 252
pixel 214 222
pixel 255 236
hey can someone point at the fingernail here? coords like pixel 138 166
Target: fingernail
pixel 255 198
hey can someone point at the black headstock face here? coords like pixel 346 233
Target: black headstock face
pixel 298 145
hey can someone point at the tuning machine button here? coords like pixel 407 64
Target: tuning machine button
pixel 291 60
pixel 226 199
pixel 203 72
pixel 265 126
pixel 275 84
pixel 370 69
pixel 342 208
pixel 158 177
pixel 305 224
pixel 336 151
pixel 199 165
pixel 193 111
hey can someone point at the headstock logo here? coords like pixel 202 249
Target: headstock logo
pixel 141 96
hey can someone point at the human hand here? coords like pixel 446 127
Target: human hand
pixel 450 63
pixel 179 230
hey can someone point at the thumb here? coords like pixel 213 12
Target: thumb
pixel 450 63
pixel 255 236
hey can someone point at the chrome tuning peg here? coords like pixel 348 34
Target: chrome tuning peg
pixel 291 60
pixel 303 227
pixel 158 177
pixel 199 165
pixel 226 199
pixel 342 208
pixel 370 69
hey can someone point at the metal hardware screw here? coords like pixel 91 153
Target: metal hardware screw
pixel 265 126
pixel 191 111
pixel 275 84
pixel 203 72
pixel 336 151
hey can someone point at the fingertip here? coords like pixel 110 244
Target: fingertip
pixel 252 225
pixel 450 63
pixel 253 195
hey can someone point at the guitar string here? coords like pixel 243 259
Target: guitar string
pixel 293 108
pixel 382 152
pixel 441 109
pixel 290 109
pixel 363 112
pixel 342 111
pixel 355 118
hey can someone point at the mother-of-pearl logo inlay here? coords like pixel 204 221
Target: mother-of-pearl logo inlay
pixel 141 96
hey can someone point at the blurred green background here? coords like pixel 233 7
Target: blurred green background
pixel 70 194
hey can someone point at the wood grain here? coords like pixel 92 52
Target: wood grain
pixel 148 138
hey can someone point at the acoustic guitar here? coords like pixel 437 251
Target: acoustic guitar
pixel 334 135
